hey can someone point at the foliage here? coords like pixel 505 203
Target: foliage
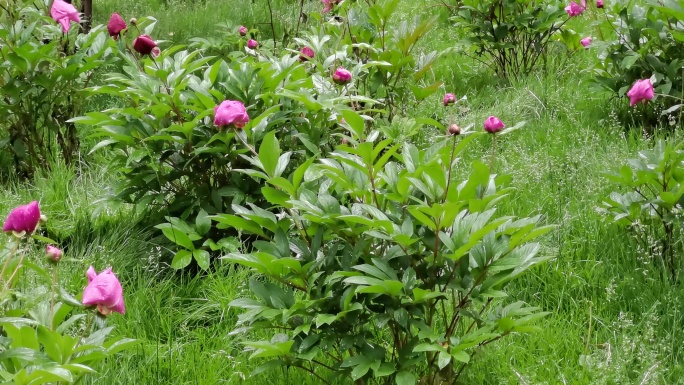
pixel 652 205
pixel 42 74
pixel 514 35
pixel 381 268
pixel 648 43
pixel 46 336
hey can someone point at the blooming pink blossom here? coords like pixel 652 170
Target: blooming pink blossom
pixel 328 5
pixel 586 42
pixel 243 30
pixel 53 253
pixel 574 9
pixel 144 44
pixel 493 125
pixel 449 99
pixel 342 76
pixel 642 90
pixel 116 25
pixel 64 13
pixel 23 218
pixel 306 54
pixel 104 290
pixel 252 44
pixel 230 112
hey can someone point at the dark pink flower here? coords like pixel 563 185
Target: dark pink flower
pixel 230 112
pixel 53 253
pixel 64 13
pixel 116 25
pixel 328 5
pixel 23 218
pixel 243 30
pixel 342 76
pixel 574 9
pixel 144 44
pixel 252 44
pixel 105 291
pixel 599 3
pixel 586 42
pixel 642 90
pixel 306 54
pixel 449 99
pixel 493 125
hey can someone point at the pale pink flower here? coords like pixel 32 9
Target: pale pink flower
pixel 64 13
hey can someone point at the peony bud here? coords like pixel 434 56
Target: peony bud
pixel 586 42
pixel 252 44
pixel 454 129
pixel 642 90
pixel 342 76
pixel 230 112
pixel 574 9
pixel 449 99
pixel 133 21
pixel 599 3
pixel 116 25
pixel 493 125
pixel 53 253
pixel 306 54
pixel 144 44
pixel 243 30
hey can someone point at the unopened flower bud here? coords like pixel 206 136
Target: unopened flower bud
pixel 53 253
pixel 454 129
pixel 133 21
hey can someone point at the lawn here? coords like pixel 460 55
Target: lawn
pixel 614 318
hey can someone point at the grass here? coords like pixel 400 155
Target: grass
pixel 614 319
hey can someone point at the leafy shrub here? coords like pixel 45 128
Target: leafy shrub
pixel 648 43
pixel 513 36
pixel 46 335
pixel 379 266
pixel 650 201
pixel 43 72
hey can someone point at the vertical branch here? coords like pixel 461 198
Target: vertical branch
pixel 270 13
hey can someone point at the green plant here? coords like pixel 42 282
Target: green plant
pixel 512 35
pixel 42 73
pixel 652 205
pixel 648 43
pixel 45 335
pixel 382 267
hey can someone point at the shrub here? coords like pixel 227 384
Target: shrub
pixel 43 73
pixel 379 266
pixel 513 36
pixel 648 43
pixel 46 335
pixel 650 201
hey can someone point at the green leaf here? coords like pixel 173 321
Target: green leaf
pixel 269 152
pixel 405 378
pixel 178 237
pixel 203 222
pixel 181 259
pixel 202 258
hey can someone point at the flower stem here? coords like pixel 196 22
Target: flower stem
pixel 491 159
pixel 13 251
pixel 55 280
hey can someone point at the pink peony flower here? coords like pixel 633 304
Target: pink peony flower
pixel 586 42
pixel 641 90
pixel 116 25
pixel 574 9
pixel 306 54
pixel 230 112
pixel 23 218
pixel 64 13
pixel 493 125
pixel 328 5
pixel 144 44
pixel 599 3
pixel 449 99
pixel 342 76
pixel 155 52
pixel 252 44
pixel 243 30
pixel 104 290
pixel 53 253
